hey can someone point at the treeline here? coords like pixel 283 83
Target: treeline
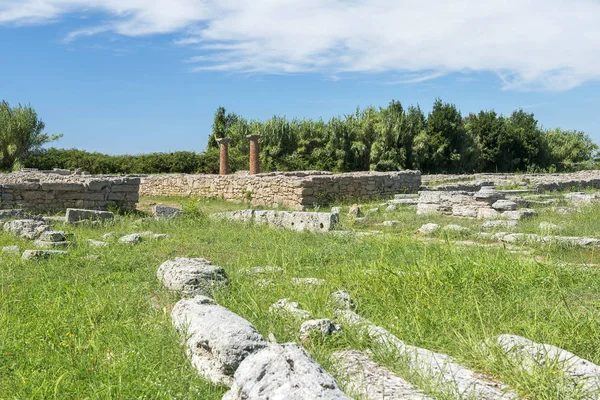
pixel 396 138
pixel 383 139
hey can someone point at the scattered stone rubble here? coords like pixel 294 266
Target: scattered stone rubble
pixel 26 228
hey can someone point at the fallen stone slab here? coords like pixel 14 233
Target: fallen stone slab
pixel 294 220
pixel 521 237
pixel 286 306
pixel 54 219
pixel 77 215
pixel 325 326
pixel 518 215
pixel 192 276
pixel 284 371
pixel 31 254
pixel 26 228
pixel 217 339
pixel 53 236
pixel 441 368
pixel 370 381
pixel 487 213
pixel 133 238
pixel 11 249
pixel 167 212
pixel 499 224
pixel 391 208
pixel 428 229
pixel 564 210
pixel 572 241
pixel 531 355
pixel 504 205
pixel 109 235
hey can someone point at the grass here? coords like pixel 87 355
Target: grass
pixel 77 327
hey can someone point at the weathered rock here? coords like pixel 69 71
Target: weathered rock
pixel 371 211
pixel 467 211
pixel 355 211
pixel 428 229
pixel 455 228
pixel 342 300
pixel 308 281
pixel 336 210
pixel 531 355
pixel 31 254
pixel 26 228
pixel 13 213
pixel 325 326
pixel 77 215
pixel 581 199
pixel 564 210
pixel 488 194
pixel 53 236
pixel 217 339
pixel 109 235
pixel 391 223
pixel 162 211
pixel 191 276
pixel 573 241
pixel 294 220
pixel 443 369
pixel 283 372
pixel 153 235
pixel 43 244
pixel 264 270
pixel 487 213
pixel 404 202
pixel 133 238
pixel 402 196
pixel 391 208
pixel 521 237
pixel 499 224
pixel 504 205
pixel 370 381
pixel 11 249
pixel 548 227
pixel 286 306
pixel 519 214
pixel 54 219
pixel 97 243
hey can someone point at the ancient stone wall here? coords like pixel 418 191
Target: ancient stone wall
pixel 54 192
pixel 297 190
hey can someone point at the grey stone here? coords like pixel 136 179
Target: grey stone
pixel 499 224
pixel 26 228
pixel 133 238
pixel 487 213
pixel 402 196
pixel 521 237
pixel 217 339
pixel 97 243
pixel 161 211
pixel 191 276
pixel 53 236
pixel 294 220
pixel 11 249
pixel 43 244
pixel 428 229
pixel 441 368
pixel 265 270
pixel 532 355
pixel 153 235
pixel 77 215
pixel 519 214
pixel 325 326
pixel 13 213
pixel 504 205
pixel 564 210
pixel 390 224
pixel 391 208
pixel 548 227
pixel 286 306
pixel 370 381
pixel 360 220
pixel 341 300
pixel 355 211
pixel 456 228
pixel 308 281
pixel 54 219
pixel 573 241
pixel 31 254
pixel 283 372
pixel 404 202
pixel 108 235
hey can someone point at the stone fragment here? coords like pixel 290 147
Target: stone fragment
pixel 153 235
pixel 26 228
pixel 455 379
pixel 217 339
pixel 191 276
pixel 355 211
pixel 336 210
pixel 487 213
pixel 43 244
pixel 11 249
pixel 162 211
pixel 265 270
pixel 108 235
pixel 53 236
pixel 499 224
pixel 465 211
pixel 391 208
pixel 581 199
pixel 402 196
pixel 391 223
pixel 77 215
pixel 564 210
pixel 286 306
pixel 370 381
pixel 548 227
pixel 31 254
pixel 308 281
pixel 283 372
pixel 455 228
pixel 573 241
pixel 521 237
pixel 488 194
pixel 294 220
pixel 360 220
pixel 54 219
pixel 325 326
pixel 13 213
pixel 504 205
pixel 519 214
pixel 428 229
pixel 531 355
pixel 97 243
pixel 342 300
pixel 133 238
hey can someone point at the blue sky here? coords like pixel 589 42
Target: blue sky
pixel 134 76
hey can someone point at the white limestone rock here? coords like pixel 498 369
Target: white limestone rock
pixel 504 205
pixel 192 276
pixel 499 224
pixel 428 229
pixel 325 326
pixel 341 300
pixel 26 228
pixel 286 306
pixel 133 238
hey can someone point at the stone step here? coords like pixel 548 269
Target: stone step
pixel 532 355
pixel 370 381
pixel 441 368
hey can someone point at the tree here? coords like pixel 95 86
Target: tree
pixel 20 134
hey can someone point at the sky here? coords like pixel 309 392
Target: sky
pixel 137 76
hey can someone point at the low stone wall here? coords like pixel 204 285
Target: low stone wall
pixel 49 192
pixel 297 190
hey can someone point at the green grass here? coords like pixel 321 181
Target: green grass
pixel 74 327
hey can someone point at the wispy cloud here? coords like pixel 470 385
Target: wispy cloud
pixel 537 44
pixel 416 78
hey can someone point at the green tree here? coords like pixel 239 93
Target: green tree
pixel 21 133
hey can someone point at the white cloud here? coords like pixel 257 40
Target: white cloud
pixel 532 44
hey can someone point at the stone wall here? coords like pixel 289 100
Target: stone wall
pixel 297 190
pixel 55 192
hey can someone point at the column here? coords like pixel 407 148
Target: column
pixel 223 155
pixel 254 154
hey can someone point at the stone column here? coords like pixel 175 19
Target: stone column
pixel 254 154
pixel 223 155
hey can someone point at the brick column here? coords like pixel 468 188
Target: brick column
pixel 254 154
pixel 223 155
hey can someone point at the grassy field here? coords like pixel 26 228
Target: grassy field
pixel 95 323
